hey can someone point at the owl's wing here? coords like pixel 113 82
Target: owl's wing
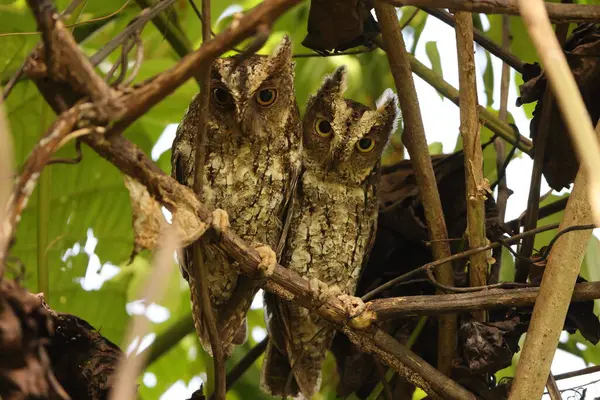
pixel 288 207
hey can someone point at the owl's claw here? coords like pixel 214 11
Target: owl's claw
pixel 321 292
pixel 359 316
pixel 220 222
pixel 268 260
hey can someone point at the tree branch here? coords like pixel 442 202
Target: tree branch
pixel 411 306
pixel 476 187
pixel 416 143
pixel 557 12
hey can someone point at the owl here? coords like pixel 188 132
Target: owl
pixel 331 230
pixel 251 168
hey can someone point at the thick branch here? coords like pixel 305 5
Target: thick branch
pixel 416 143
pixel 410 306
pixel 284 283
pixel 557 12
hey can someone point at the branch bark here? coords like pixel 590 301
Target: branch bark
pixel 557 12
pixel 416 143
pixel 469 131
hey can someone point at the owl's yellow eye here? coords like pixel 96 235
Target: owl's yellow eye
pixel 266 97
pixel 365 145
pixel 323 127
pixel 222 96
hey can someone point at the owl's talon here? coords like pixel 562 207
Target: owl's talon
pixel 268 260
pixel 359 316
pixel 220 222
pixel 321 292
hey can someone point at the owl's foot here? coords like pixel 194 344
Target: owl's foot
pixel 359 316
pixel 220 222
pixel 268 260
pixel 321 292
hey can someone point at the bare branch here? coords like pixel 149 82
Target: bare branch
pixel 557 12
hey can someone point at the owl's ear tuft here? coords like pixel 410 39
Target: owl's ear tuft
pixel 335 84
pixel 387 107
pixel 283 52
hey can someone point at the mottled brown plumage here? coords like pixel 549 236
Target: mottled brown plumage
pixel 251 169
pixel 331 229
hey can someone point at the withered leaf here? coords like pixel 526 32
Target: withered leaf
pixel 582 50
pixel 147 216
pixel 339 25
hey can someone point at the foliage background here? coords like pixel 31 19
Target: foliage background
pixel 79 219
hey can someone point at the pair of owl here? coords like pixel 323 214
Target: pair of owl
pixel 305 188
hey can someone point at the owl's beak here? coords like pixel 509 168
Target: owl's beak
pixel 334 159
pixel 240 111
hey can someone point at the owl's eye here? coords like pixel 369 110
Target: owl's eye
pixel 266 97
pixel 323 127
pixel 221 96
pixel 365 145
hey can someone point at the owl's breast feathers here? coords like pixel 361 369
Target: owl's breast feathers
pixel 330 231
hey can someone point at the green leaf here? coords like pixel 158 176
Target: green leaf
pixel 488 80
pixel 434 58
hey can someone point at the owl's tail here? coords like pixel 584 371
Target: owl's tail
pixel 296 350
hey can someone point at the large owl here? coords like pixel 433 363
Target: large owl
pixel 251 169
pixel 331 229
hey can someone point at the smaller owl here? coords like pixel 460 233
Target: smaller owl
pixel 332 227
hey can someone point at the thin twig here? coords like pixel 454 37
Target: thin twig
pixel 557 12
pixel 503 53
pixel 176 38
pixel 418 271
pixel 476 186
pixel 552 387
pixel 246 362
pixel 533 201
pixel 415 141
pixel 584 371
pixel 125 386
